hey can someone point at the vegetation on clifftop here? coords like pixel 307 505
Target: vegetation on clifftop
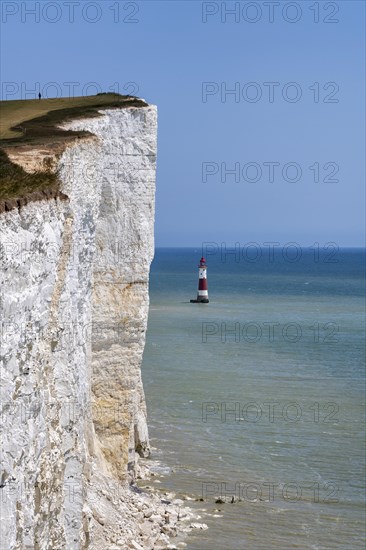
pixel 25 124
pixel 23 121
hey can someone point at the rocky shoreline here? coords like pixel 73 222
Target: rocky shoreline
pixel 143 518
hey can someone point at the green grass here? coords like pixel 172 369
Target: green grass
pixel 22 121
pixel 34 123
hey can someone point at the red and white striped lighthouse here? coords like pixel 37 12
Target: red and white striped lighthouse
pixel 202 294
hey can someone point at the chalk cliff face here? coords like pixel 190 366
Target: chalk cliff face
pixel 74 304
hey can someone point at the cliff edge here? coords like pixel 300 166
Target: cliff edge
pixel 74 307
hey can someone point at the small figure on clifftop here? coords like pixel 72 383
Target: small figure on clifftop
pixel 39 95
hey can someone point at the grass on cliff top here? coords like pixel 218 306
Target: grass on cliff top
pixel 24 120
pixel 34 122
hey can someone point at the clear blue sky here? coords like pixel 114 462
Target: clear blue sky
pixel 169 52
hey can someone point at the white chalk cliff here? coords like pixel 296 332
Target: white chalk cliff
pixel 74 306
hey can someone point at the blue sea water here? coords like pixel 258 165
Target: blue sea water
pixel 259 395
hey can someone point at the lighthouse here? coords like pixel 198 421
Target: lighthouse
pixel 202 294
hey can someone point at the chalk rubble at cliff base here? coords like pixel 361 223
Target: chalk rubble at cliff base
pixel 138 519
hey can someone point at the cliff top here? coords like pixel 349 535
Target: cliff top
pixel 21 121
pixel 30 128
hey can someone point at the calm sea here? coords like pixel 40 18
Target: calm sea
pixel 259 395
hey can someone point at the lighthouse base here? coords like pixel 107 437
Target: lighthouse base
pixel 203 301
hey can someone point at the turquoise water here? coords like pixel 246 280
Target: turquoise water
pixel 271 413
